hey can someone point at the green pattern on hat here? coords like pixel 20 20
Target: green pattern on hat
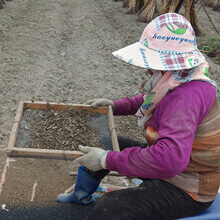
pixel 145 42
pixel 179 31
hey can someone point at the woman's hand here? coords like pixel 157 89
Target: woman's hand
pixel 95 103
pixel 94 158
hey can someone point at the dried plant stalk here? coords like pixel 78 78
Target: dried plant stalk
pixel 171 6
pixel 178 6
pixel 133 6
pixel 190 14
pixel 187 6
pixel 126 3
pixel 217 6
pixel 166 7
pixel 145 5
pixel 194 20
pixel 164 3
pixel 209 3
pixel 147 14
pixel 157 10
pixel 1 4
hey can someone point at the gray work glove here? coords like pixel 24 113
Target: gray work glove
pixel 94 158
pixel 95 103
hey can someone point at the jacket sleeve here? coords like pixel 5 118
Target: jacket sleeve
pixel 128 106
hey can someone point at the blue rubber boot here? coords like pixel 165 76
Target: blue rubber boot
pixel 85 186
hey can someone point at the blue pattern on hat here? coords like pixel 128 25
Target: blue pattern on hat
pixel 163 61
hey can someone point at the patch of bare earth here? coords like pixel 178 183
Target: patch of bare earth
pixel 60 51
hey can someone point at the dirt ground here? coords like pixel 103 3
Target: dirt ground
pixel 60 51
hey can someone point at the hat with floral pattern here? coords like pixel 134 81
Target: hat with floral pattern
pixel 167 43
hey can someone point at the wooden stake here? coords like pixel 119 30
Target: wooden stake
pixel 43 153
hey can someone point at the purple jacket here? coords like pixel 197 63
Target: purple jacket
pixel 175 118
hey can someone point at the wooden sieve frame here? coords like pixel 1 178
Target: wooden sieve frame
pixel 13 151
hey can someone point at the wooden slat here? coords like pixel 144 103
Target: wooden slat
pixel 110 118
pixel 63 107
pixel 19 113
pixel 115 144
pixel 13 135
pixel 43 153
pixel 16 123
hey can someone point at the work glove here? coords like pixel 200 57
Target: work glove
pixel 94 158
pixel 95 103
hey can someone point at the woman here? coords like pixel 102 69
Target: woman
pixel 180 115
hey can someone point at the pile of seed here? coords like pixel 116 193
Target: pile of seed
pixel 61 130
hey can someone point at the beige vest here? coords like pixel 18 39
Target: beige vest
pixel 201 178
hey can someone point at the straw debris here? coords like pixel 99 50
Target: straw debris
pixel 61 130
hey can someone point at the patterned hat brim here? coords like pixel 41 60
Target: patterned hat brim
pixel 139 55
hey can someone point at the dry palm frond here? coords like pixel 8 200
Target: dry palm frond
pixel 171 6
pixel 194 20
pixel 190 14
pixel 166 7
pixel 147 8
pixel 133 6
pixel 145 5
pixel 187 6
pixel 2 3
pixel 178 6
pixel 163 2
pixel 156 10
pixel 142 2
pixel 209 3
pixel 217 6
pixel 147 14
pixel 126 3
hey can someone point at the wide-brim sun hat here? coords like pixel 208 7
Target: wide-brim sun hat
pixel 167 43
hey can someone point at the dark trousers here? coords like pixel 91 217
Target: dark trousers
pixel 153 199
